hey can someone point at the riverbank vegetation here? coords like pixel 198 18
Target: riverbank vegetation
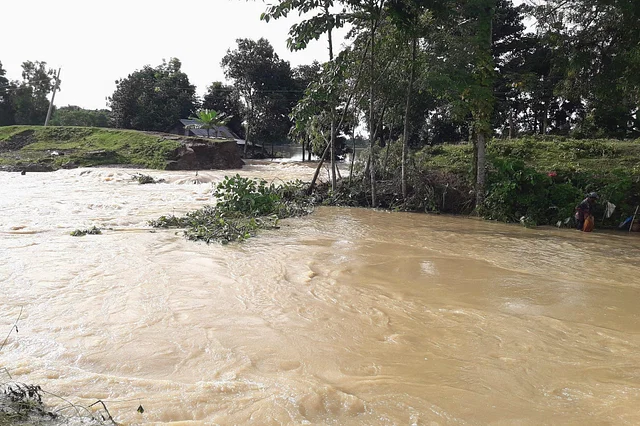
pixel 243 206
pixel 535 180
pixel 424 74
pixel 23 404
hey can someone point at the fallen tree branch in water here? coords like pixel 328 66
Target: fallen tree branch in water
pixel 243 207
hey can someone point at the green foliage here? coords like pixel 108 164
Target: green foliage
pixel 266 86
pixel 529 181
pixel 83 146
pixel 153 98
pixel 243 206
pixel 83 232
pixel 516 191
pixel 76 116
pixel 7 113
pixel 247 196
pixel 225 99
pixel 211 225
pixel 26 101
pixel 209 119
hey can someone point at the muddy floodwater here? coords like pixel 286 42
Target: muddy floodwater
pixel 344 317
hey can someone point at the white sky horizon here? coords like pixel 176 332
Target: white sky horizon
pixel 96 43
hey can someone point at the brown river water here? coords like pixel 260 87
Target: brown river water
pixel 343 317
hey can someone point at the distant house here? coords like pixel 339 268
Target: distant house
pixel 220 132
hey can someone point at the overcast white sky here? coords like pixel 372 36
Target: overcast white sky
pixel 96 42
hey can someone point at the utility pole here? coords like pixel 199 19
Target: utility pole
pixel 53 96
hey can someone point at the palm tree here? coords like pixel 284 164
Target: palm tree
pixel 209 119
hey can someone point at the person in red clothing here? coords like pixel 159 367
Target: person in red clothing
pixel 585 209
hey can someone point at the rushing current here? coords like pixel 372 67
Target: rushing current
pixel 343 317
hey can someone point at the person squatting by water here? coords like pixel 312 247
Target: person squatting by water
pixel 584 213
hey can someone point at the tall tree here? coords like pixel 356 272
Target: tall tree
pixel 30 101
pixel 153 98
pixel 6 99
pixel 223 98
pixel 266 87
pixel 601 41
pixel 322 21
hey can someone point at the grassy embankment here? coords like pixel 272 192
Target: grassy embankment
pixel 538 180
pixel 53 147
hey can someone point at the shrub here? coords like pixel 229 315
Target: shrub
pixel 516 191
pixel 243 207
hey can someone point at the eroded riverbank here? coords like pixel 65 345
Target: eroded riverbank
pixel 347 316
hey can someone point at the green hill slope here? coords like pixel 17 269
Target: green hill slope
pixel 50 148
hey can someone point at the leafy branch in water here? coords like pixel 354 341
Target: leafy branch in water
pixel 243 206
pixel 21 403
pixel 83 232
pixel 145 179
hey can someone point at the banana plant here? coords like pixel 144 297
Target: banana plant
pixel 209 119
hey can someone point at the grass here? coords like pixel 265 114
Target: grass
pixel 84 146
pixel 545 154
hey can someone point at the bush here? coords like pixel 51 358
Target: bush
pixel 246 196
pixel 516 191
pixel 243 206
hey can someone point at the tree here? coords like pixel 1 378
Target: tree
pixel 72 115
pixel 30 101
pixel 209 119
pixel 153 98
pixel 6 100
pixel 265 84
pixel 601 41
pixel 411 18
pixel 224 99
pixel 323 22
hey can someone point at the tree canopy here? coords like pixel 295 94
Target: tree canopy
pixel 266 87
pixel 73 115
pixel 26 101
pixel 153 98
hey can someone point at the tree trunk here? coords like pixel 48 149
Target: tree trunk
pixel 484 112
pixel 303 142
pixel 246 142
pixel 474 160
pixel 332 142
pixel 353 159
pixel 480 178
pixel 405 137
pixel 315 175
pixel 372 122
pixel 511 124
pixel 545 118
pixel 332 139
